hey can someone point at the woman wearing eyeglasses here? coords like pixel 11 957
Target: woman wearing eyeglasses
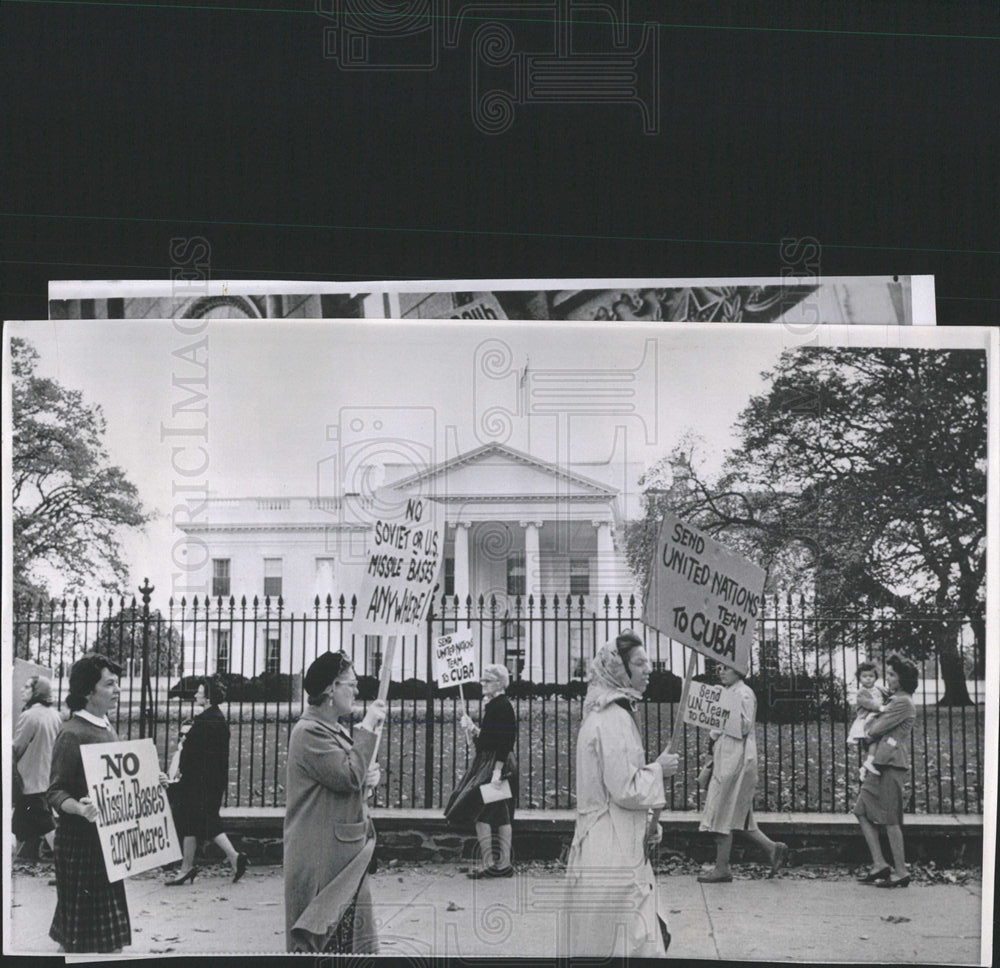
pixel 329 838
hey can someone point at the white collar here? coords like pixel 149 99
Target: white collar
pixel 91 718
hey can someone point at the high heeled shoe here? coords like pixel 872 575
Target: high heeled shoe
pixel 183 879
pixel 873 877
pixel 890 881
pixel 242 863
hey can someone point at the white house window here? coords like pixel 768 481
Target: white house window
pixel 220 577
pixel 272 577
pixel 579 576
pixel 516 574
pixel 272 658
pixel 449 576
pixel 222 646
pixel 324 576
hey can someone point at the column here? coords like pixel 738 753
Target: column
pixel 532 641
pixel 461 561
pixel 532 562
pixel 606 563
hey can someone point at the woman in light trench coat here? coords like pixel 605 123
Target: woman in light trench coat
pixel 612 907
pixel 328 835
pixel 729 800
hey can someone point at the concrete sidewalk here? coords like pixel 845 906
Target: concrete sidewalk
pixel 435 910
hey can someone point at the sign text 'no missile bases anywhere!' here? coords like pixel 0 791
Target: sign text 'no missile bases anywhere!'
pixel 404 554
pixel 703 595
pixel 133 817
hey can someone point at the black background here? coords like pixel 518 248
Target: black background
pixel 129 125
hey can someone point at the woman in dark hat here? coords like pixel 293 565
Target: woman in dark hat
pixel 196 797
pixel 91 912
pixel 880 801
pixel 329 839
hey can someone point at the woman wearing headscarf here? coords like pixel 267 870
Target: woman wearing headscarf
pixel 494 740
pixel 729 800
pixel 880 801
pixel 196 797
pixel 329 838
pixel 34 737
pixel 91 912
pixel 612 903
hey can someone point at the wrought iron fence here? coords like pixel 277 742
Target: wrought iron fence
pixel 801 670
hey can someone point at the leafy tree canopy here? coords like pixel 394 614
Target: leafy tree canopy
pixel 69 502
pixel 860 474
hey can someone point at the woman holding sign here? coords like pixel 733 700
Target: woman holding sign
pixel 91 913
pixel 495 740
pixel 329 837
pixel 729 801
pixel 612 903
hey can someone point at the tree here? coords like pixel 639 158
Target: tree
pixel 119 637
pixel 866 471
pixel 69 502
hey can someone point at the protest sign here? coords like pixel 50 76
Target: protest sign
pixel 713 707
pixel 702 594
pixel 484 306
pixel 455 659
pixel 403 557
pixel 134 821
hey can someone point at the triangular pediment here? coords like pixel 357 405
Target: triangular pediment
pixel 495 470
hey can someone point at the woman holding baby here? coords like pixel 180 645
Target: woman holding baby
pixel 880 802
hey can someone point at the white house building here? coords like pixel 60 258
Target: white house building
pixel 516 526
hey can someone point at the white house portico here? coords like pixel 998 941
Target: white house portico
pixel 515 526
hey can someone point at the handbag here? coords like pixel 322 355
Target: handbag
pixel 705 776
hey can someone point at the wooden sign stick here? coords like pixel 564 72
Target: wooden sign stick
pixel 675 737
pixel 383 686
pixel 465 711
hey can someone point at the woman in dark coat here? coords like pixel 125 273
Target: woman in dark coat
pixel 196 797
pixel 91 913
pixel 495 762
pixel 880 802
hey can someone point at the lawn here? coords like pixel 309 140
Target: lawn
pixel 803 766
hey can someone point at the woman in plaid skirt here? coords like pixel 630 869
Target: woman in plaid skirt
pixel 91 913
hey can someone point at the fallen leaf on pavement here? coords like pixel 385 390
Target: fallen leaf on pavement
pixel 895 919
pixel 452 906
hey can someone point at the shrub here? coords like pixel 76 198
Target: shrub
pixel 797 698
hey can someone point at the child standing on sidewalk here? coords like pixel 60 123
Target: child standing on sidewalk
pixel 868 702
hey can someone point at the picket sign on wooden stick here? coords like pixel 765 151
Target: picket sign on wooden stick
pixel 465 711
pixel 383 688
pixel 675 737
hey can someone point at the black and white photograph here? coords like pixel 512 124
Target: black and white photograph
pixel 500 481
pixel 671 624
